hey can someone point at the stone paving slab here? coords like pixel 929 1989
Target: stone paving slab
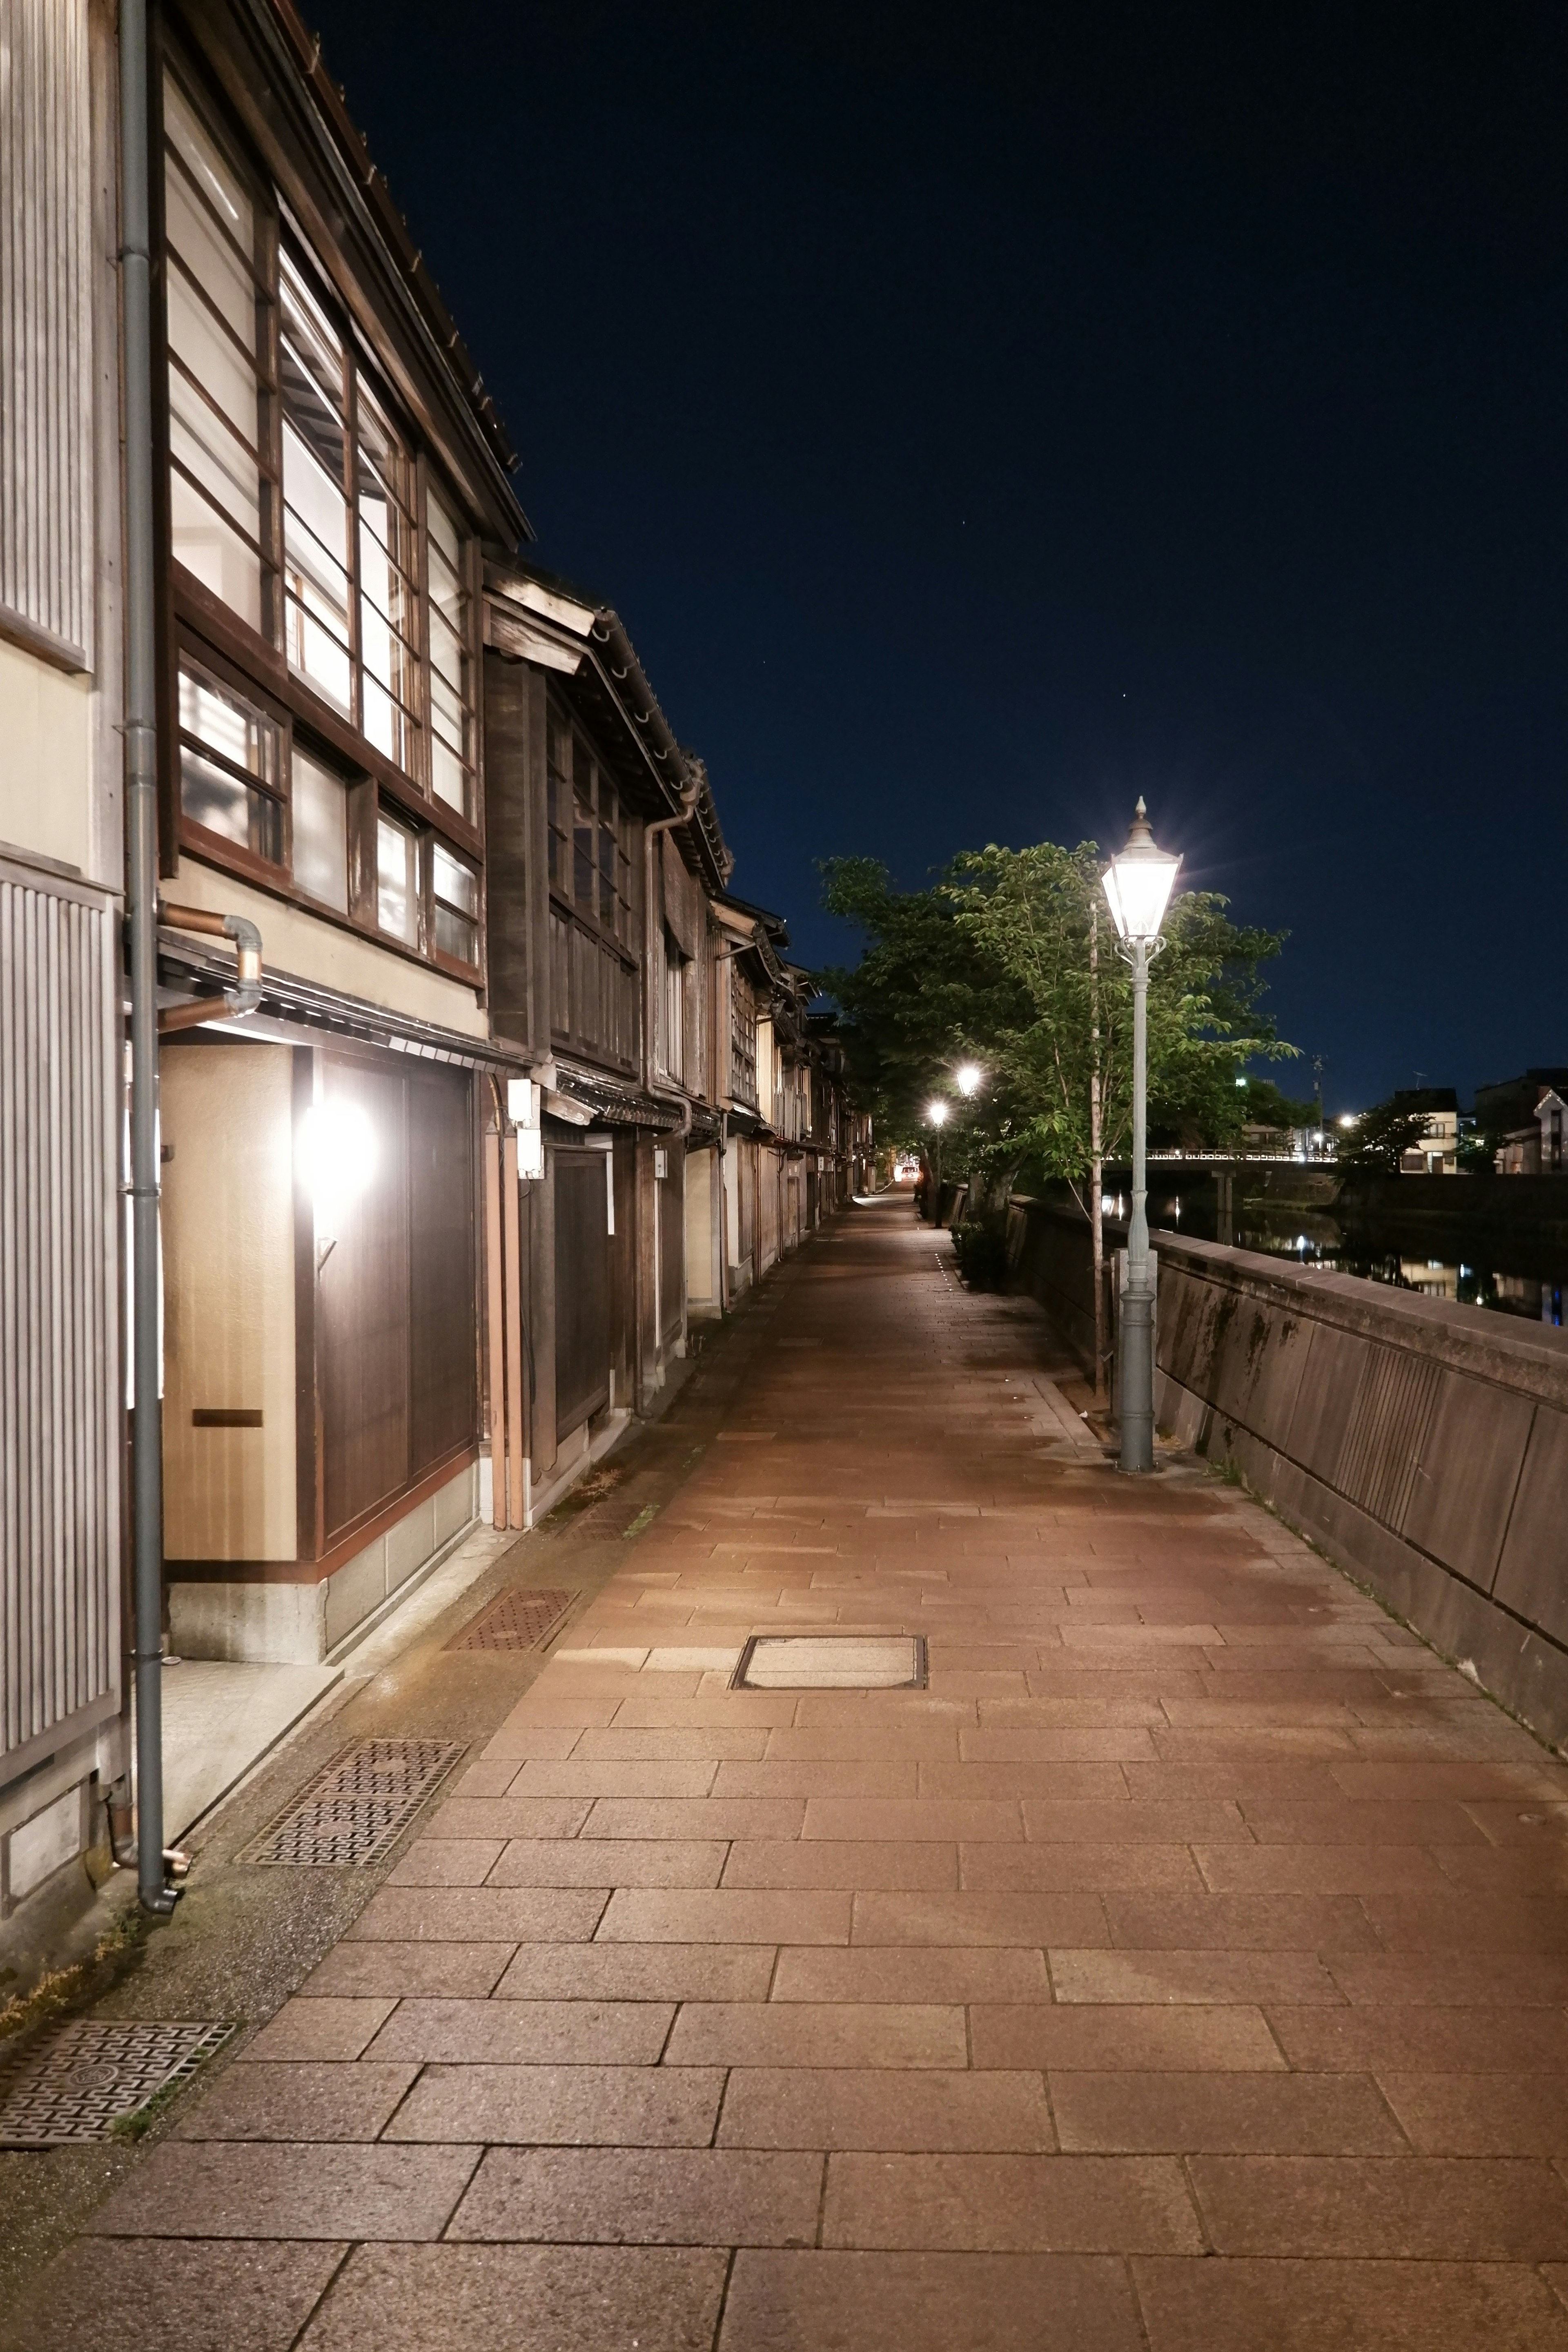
pixel 1185 1968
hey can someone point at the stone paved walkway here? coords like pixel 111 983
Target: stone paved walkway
pixel 1187 1967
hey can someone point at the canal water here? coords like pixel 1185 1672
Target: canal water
pixel 1476 1261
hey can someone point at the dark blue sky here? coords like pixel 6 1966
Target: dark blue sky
pixel 979 415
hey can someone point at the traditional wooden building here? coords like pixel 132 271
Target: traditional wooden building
pixel 328 465
pixel 503 1090
pixel 605 846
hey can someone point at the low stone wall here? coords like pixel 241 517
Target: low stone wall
pixel 1050 1256
pixel 1423 1446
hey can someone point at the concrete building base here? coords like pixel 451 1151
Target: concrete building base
pixel 306 1623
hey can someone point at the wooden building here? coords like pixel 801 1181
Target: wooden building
pixel 522 1093
pixel 604 847
pixel 327 467
pixel 693 1127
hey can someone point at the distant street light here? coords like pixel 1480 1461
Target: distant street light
pixel 938 1113
pixel 967 1078
pixel 1138 887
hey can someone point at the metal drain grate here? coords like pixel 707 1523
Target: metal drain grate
pixel 832 1662
pixel 84 2078
pixel 518 1619
pixel 359 1807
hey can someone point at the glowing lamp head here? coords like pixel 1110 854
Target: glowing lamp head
pixel 337 1159
pixel 967 1079
pixel 936 1114
pixel 1138 883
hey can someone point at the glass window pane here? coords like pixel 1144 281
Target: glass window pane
pixel 607 857
pixel 583 825
pixel 320 801
pixel 456 883
pixel 211 232
pixel 242 742
pixel 450 688
pixel 557 755
pixel 457 935
pixel 396 881
pixel 227 723
pixel 213 548
pixel 315 503
pixel 210 224
pixel 448 777
pixel 457 893
pixel 389 612
pixel 212 797
pixel 446 540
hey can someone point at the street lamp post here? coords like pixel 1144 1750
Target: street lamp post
pixel 936 1116
pixel 1138 887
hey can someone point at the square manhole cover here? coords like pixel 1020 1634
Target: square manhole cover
pixel 358 1808
pixel 832 1662
pixel 518 1619
pixel 82 2079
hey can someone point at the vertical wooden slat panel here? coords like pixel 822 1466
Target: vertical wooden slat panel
pixel 60 1401
pixel 45 322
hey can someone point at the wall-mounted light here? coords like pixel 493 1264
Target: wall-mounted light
pixel 336 1155
pixel 523 1103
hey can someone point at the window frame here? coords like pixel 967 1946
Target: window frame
pixel 199 626
pixel 365 803
pixel 560 864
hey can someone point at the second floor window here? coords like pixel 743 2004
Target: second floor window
pixel 317 581
pixel 231 766
pixel 589 834
pixel 254 789
pixel 674 1010
pixel 218 313
pixel 295 498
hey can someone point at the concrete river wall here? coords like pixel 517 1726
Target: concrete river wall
pixel 1422 1444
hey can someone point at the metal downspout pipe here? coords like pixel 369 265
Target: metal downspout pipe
pixel 141 909
pixel 683 815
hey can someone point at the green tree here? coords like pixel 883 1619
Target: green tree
pixel 1261 1104
pixel 923 996
pixel 1010 957
pixel 1381 1137
pixel 1039 918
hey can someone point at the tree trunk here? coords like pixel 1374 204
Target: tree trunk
pixel 1096 1160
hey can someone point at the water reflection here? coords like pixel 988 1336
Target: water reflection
pixel 1522 1276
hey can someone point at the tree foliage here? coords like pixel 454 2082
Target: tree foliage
pixel 923 996
pixel 1010 957
pixel 1381 1137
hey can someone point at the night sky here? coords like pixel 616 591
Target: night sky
pixel 979 415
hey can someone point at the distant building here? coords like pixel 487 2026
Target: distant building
pixel 1536 1148
pixel 1526 1114
pixel 1438 1151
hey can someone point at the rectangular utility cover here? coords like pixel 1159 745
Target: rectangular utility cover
pixel 832 1662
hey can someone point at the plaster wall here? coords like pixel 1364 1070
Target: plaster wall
pixel 46 769
pixel 701 1283
pixel 306 948
pixel 228 1301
